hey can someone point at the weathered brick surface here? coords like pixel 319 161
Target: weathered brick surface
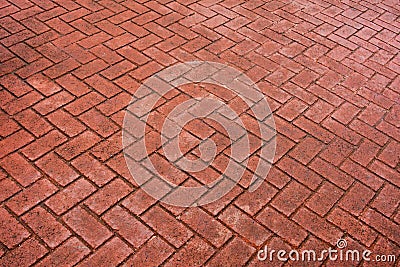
pixel 12 232
pixel 83 223
pixel 46 226
pixel 68 69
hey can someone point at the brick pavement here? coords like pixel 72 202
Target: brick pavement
pixel 329 69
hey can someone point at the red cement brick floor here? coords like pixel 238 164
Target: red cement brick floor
pixel 329 69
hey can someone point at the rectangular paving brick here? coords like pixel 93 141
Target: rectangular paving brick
pixel 387 200
pixel 337 151
pixel 118 164
pixel 8 125
pixel 365 153
pixel 103 85
pixel 325 94
pixel 43 38
pixel 289 130
pixel 95 16
pixel 304 78
pixel 300 172
pixel 244 225
pixel 306 150
pixel 208 227
pixel 15 85
pixel 112 253
pixel 91 230
pixel 252 202
pixel 133 55
pixel 331 173
pixel 66 123
pixel 32 196
pixel 54 102
pixel 108 195
pixel 131 229
pixel 43 145
pixel 362 174
pixel 153 253
pixel 282 226
pixel 319 111
pixel 98 122
pixel 330 79
pixel 14 142
pixel 70 196
pixel 115 104
pixel 57 169
pixel 73 85
pixel 108 148
pixel 296 90
pixel 381 224
pixel 138 202
pixel 317 225
pixel 237 253
pixel 20 169
pixel 389 129
pixel 94 40
pixel 9 188
pixel 388 155
pixel 35 67
pixel 369 132
pixel 90 68
pixel 46 226
pixel 78 145
pixel 79 53
pixel 11 231
pixel 353 226
pixel 385 172
pixel 61 68
pixel 93 169
pixel 164 223
pixel 324 199
pixel 84 103
pixel 118 70
pixel 372 114
pixel 314 129
pixel 43 84
pixel 11 65
pixel 195 253
pixel 25 255
pixel 68 254
pixel 356 198
pixel 290 198
pixel 277 177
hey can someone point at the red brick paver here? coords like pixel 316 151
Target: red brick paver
pixel 329 70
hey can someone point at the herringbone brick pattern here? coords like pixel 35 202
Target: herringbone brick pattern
pixel 329 69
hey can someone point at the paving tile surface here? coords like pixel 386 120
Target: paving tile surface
pixel 68 69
